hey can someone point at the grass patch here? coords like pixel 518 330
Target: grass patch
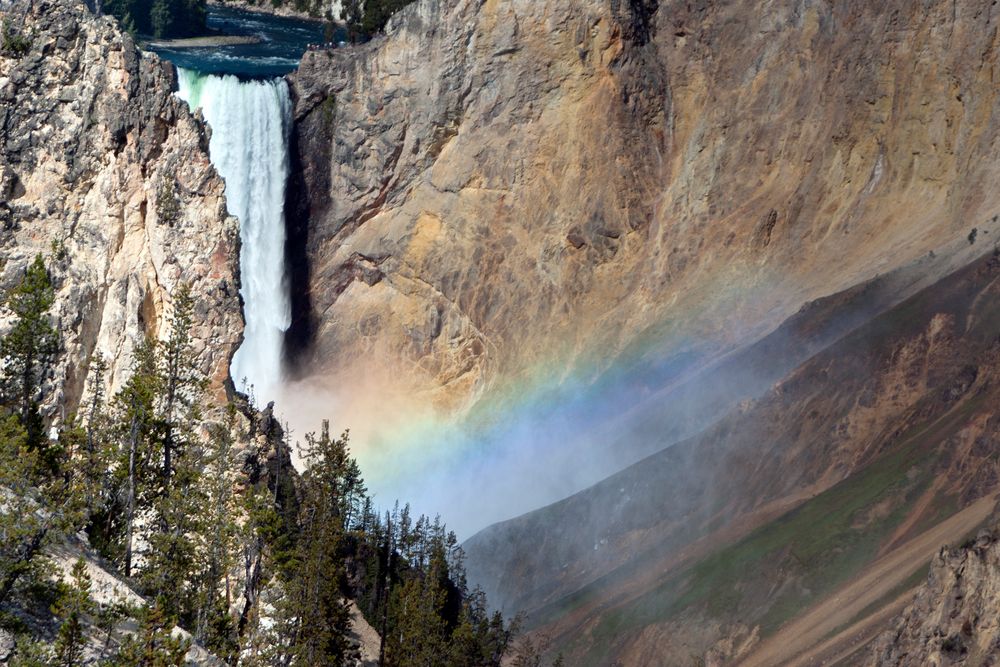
pixel 813 549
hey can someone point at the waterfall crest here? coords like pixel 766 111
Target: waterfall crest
pixel 250 122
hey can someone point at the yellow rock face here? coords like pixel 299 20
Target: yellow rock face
pixel 543 184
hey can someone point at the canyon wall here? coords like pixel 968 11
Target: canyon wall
pixel 501 191
pixel 710 547
pixel 106 174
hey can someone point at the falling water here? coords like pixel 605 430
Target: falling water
pixel 250 122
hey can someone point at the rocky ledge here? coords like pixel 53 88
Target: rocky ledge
pixel 953 618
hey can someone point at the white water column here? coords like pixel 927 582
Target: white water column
pixel 250 123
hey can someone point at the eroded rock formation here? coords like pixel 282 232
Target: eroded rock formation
pixel 952 620
pixel 106 174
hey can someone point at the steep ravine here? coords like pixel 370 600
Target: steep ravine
pixel 711 546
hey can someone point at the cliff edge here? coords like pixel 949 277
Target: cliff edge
pixel 106 174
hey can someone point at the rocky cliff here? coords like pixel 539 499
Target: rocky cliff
pixel 952 619
pixel 106 174
pixel 500 190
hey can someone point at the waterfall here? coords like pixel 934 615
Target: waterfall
pixel 250 122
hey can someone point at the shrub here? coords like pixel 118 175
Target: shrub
pixel 14 43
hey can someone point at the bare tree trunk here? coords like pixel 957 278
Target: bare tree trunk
pixel 132 452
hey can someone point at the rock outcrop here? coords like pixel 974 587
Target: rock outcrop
pixel 953 618
pixel 500 190
pixel 106 174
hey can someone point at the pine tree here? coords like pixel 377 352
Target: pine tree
pixel 37 507
pixel 183 383
pixel 109 615
pixel 138 429
pixel 29 652
pixel 316 616
pixel 182 491
pixel 170 561
pixel 154 644
pixel 73 607
pixel 96 457
pixel 418 633
pixel 161 18
pixel 219 541
pixel 27 350
pixel 353 16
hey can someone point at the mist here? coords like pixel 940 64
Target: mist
pixel 509 457
pixel 555 441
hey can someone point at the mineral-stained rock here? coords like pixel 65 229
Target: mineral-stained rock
pixel 953 619
pixel 548 182
pixel 106 174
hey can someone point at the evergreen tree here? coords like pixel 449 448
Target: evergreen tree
pixel 161 18
pixel 353 17
pixel 213 625
pixel 109 615
pixel 154 644
pixel 418 633
pixel 27 350
pixel 37 507
pixel 183 383
pixel 182 493
pixel 378 12
pixel 31 653
pixel 170 561
pixel 95 458
pixel 316 614
pixel 138 428
pixel 131 14
pixel 73 607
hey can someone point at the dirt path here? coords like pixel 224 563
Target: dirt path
pixel 808 630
